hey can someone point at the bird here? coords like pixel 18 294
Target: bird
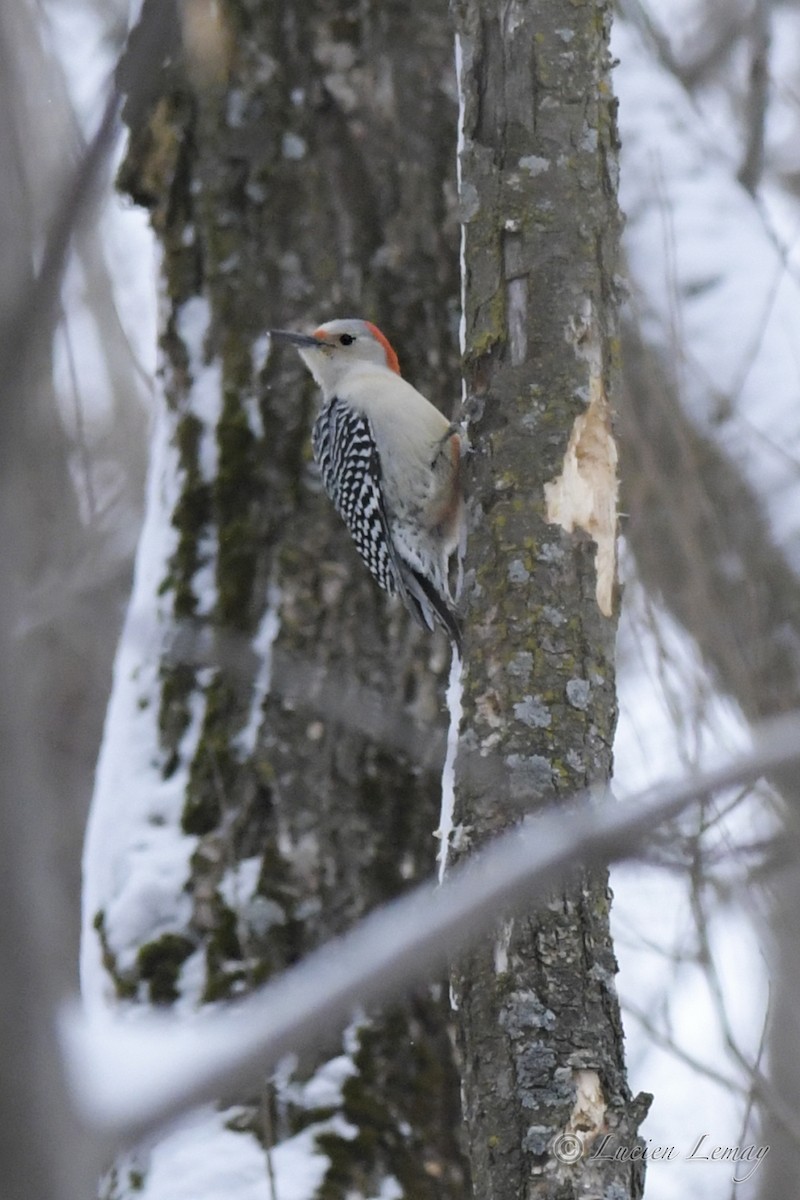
pixel 392 464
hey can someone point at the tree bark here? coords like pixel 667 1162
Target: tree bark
pixel 301 170
pixel 538 1018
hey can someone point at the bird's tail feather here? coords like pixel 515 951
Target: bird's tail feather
pixel 427 605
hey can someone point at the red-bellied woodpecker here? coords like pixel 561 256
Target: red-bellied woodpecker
pixel 391 464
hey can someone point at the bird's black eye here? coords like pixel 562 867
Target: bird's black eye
pixel 346 339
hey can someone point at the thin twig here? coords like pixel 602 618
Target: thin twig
pixel 34 313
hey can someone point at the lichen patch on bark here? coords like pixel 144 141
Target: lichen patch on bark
pixel 584 495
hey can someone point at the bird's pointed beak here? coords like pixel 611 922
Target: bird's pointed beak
pixel 297 339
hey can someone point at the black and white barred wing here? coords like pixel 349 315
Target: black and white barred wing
pixel 345 450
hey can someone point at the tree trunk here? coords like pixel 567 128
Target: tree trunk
pixel 538 1018
pixel 300 169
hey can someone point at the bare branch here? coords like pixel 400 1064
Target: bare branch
pixel 721 37
pixel 756 112
pixel 34 313
pixel 391 950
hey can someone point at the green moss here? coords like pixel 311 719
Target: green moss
pixel 236 567
pixel 395 1101
pixel 285 944
pixel 124 986
pixel 392 819
pixel 201 811
pixel 505 982
pixel 109 1188
pixel 188 433
pixel 490 326
pixel 213 768
pixel 225 941
pixel 264 772
pixel 236 493
pixel 159 964
pixel 190 516
pixel 345 1171
pixel 178 681
pixel 224 967
pixel 222 985
pixel 223 244
pixel 152 154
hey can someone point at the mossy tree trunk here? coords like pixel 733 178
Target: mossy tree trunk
pixel 309 175
pixel 537 1012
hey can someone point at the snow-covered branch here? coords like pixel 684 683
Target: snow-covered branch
pixel 132 1077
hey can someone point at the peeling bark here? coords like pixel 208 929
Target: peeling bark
pixel 584 496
